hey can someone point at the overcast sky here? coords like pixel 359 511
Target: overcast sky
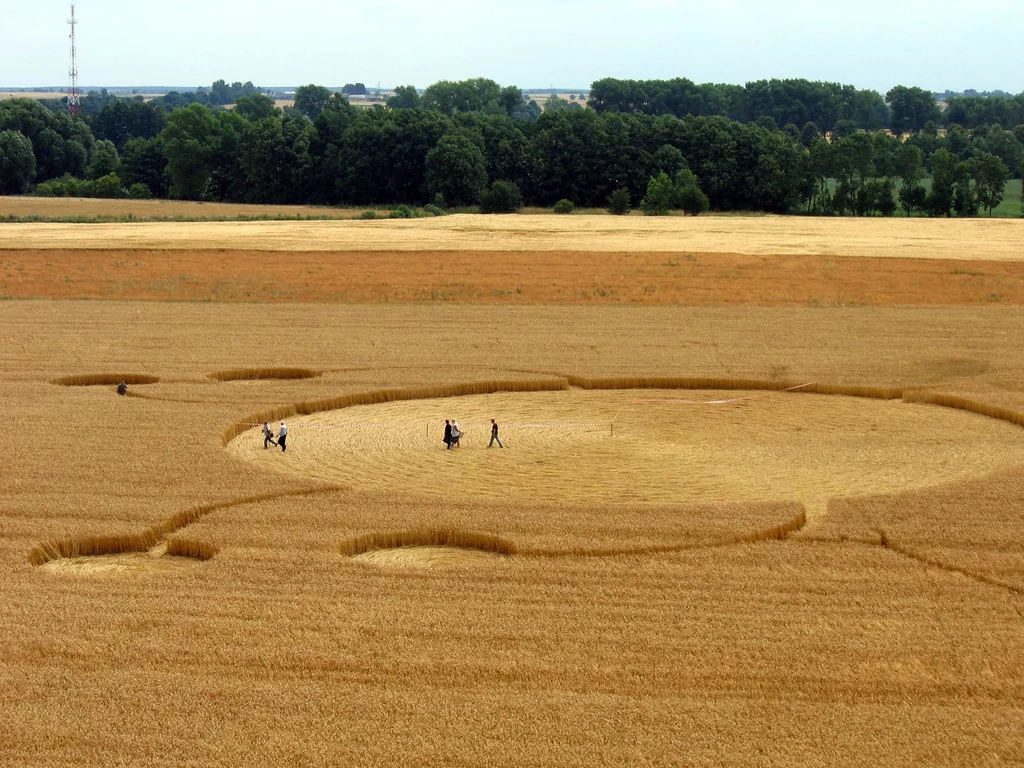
pixel 937 44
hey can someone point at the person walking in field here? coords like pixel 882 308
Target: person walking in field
pixel 494 435
pixel 282 437
pixel 268 435
pixel 447 435
pixel 122 388
pixel 456 434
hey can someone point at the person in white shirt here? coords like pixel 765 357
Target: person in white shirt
pixel 282 437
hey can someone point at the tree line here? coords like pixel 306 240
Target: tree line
pixel 451 145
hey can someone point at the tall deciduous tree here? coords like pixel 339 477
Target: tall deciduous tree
pixel 256 107
pixel 456 169
pixel 188 142
pixel 17 163
pixel 143 162
pixel 406 97
pixel 991 175
pixel 912 108
pixel 104 160
pixel 660 197
pixel 311 100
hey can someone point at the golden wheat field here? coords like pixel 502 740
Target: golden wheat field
pixel 975 239
pixel 716 536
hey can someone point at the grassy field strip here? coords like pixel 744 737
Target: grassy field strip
pixel 981 239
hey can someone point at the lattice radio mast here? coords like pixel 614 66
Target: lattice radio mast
pixel 74 102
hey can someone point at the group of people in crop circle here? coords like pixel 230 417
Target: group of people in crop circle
pixel 281 438
pixel 453 434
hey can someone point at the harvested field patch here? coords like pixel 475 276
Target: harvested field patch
pixel 946 239
pixel 508 278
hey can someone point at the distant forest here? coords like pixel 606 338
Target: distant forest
pixel 783 146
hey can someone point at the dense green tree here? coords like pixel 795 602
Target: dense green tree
pixel 477 95
pixel 688 195
pixel 383 155
pixel 139 192
pixel 668 159
pixel 457 169
pixel 275 160
pixel 913 197
pixel 188 142
pixel 227 180
pixel 1001 143
pixel 60 142
pixel 809 134
pixel 912 108
pixel 17 163
pixel 143 162
pixel 965 194
pixel 108 186
pixel 566 148
pixel 660 197
pixel 311 100
pixel 506 149
pixel 501 197
pixel 221 93
pixel 527 111
pixel 619 202
pixel 909 166
pixel 818 168
pixel 104 160
pixel 329 172
pixel 121 121
pixel 886 197
pixel 556 103
pixel 406 97
pixel 944 180
pixel 991 175
pixel 256 107
pixel 843 129
pixel 977 111
pixel 784 101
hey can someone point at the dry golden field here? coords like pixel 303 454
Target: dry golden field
pixel 732 575
pixel 37 95
pixel 947 239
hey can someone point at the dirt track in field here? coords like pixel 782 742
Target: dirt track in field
pixel 488 277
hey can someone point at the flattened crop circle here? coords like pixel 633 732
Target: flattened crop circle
pixel 627 447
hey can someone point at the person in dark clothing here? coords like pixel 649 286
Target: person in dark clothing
pixel 448 434
pixel 494 435
pixel 268 435
pixel 122 388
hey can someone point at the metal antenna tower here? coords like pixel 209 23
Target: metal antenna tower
pixel 74 102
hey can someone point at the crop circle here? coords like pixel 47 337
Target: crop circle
pixel 629 447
